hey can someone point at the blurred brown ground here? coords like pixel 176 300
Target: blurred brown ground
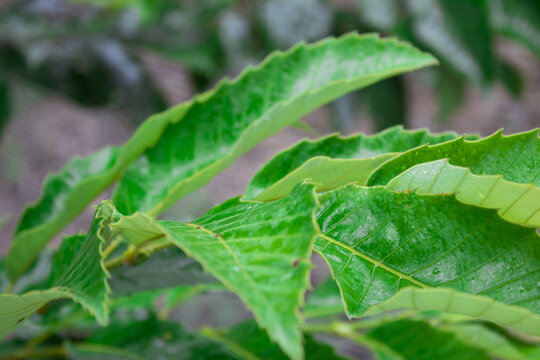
pixel 48 129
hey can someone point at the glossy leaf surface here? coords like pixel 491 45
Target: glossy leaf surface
pixel 378 242
pixel 334 161
pixel 77 273
pixel 261 251
pixel 223 124
pixel 517 203
pixel 514 157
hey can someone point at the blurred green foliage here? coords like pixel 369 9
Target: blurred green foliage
pixel 90 49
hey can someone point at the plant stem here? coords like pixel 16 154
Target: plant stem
pixel 150 246
pixel 109 249
pixel 338 327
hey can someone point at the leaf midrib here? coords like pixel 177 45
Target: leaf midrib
pixel 373 261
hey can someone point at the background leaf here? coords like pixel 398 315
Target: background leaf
pixel 386 101
pixel 510 78
pixel 145 340
pixel 517 19
pixel 5 104
pixel 458 32
pixel 451 93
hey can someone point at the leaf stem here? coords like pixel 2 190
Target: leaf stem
pixel 129 256
pixel 112 246
pixel 339 327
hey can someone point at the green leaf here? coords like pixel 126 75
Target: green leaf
pixel 223 124
pixel 458 32
pixel 261 251
pixel 378 242
pixel 195 146
pixel 66 193
pixel 517 203
pixel 249 342
pixel 518 20
pixel 150 339
pixel 333 161
pixel 403 338
pixel 77 273
pixel 514 157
